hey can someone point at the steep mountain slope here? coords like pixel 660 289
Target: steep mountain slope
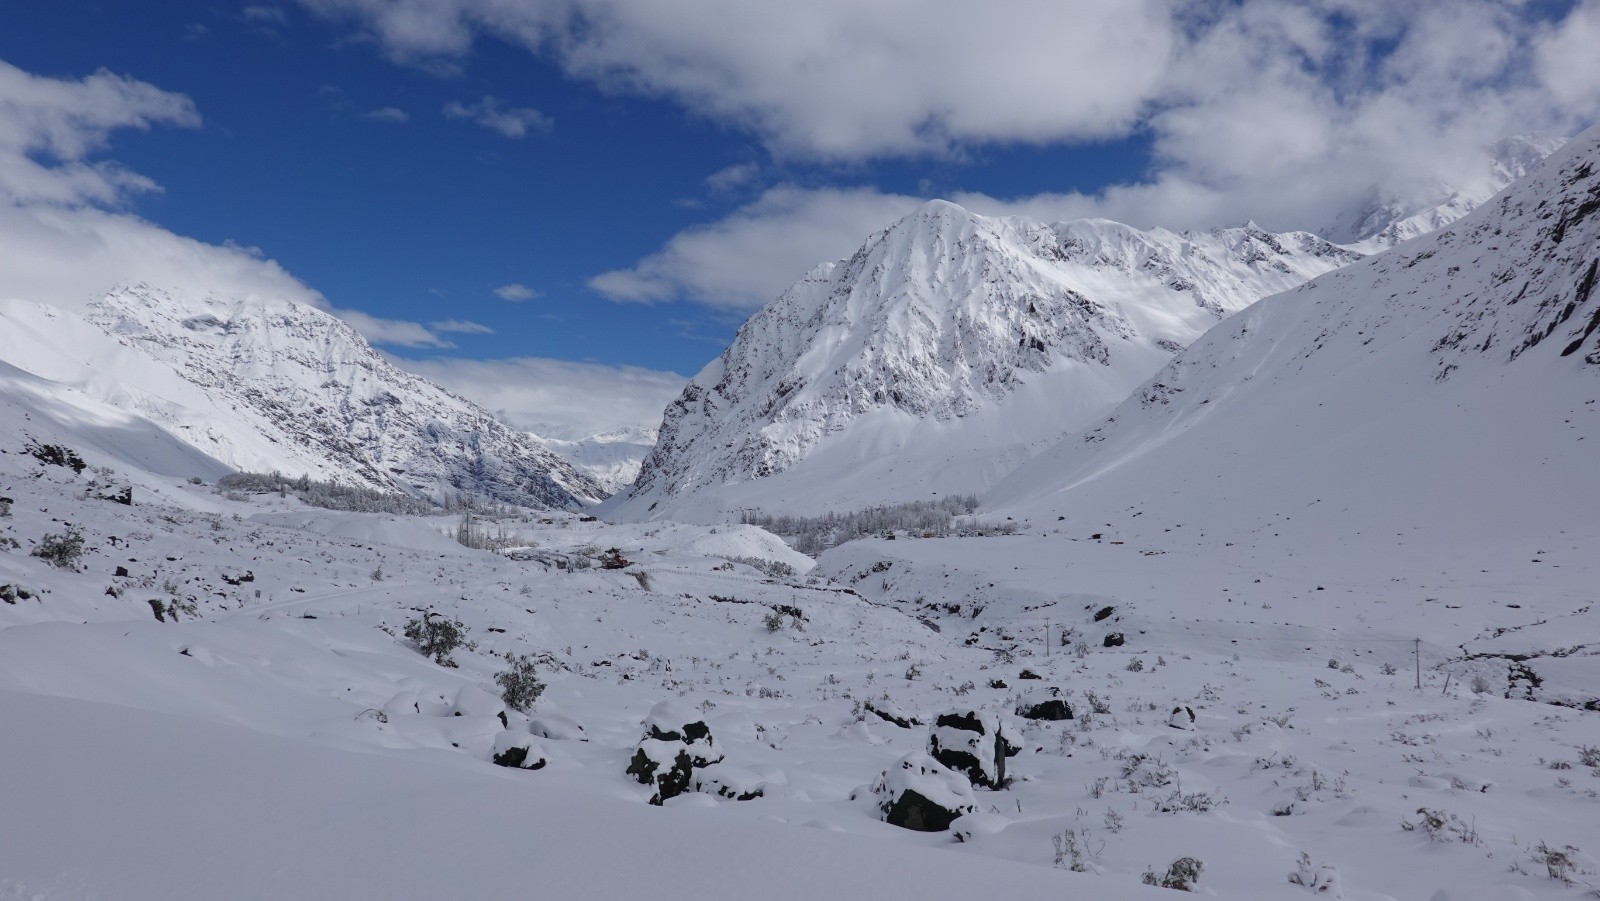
pixel 1454 381
pixel 1432 414
pixel 947 344
pixel 263 384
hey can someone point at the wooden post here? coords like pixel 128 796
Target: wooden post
pixel 1417 650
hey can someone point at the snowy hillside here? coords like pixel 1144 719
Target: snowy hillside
pixel 268 385
pixel 950 342
pixel 1439 402
pixel 217 697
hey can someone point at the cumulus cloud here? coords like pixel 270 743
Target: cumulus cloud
pixel 516 292
pixel 66 239
pixel 557 398
pixel 50 128
pixel 513 122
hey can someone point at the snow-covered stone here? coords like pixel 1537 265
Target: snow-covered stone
pixel 922 794
pixel 976 743
pixel 1044 704
pixel 676 742
pixel 518 750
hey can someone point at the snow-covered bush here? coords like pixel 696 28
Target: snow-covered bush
pixel 814 534
pixel 976 743
pixel 519 683
pixel 1442 826
pixel 63 550
pixel 327 495
pixel 921 794
pixel 436 636
pixel 1317 879
pixel 1183 874
pixel 775 569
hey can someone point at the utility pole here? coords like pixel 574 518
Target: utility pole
pixel 1047 638
pixel 1416 649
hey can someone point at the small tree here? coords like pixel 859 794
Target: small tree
pixel 519 684
pixel 63 550
pixel 437 637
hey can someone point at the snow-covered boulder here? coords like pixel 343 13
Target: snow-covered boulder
pixel 890 712
pixel 921 794
pixel 1044 704
pixel 476 702
pixel 556 727
pixel 976 743
pixel 676 742
pixel 664 764
pixel 727 781
pixel 973 826
pixel 518 750
pixel 1182 717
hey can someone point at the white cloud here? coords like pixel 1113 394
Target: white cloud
pixel 732 178
pixel 460 327
pixel 830 78
pixel 513 122
pixel 265 15
pixel 745 259
pixel 557 398
pixel 515 292
pixel 1287 114
pixel 391 114
pixel 49 129
pixel 67 244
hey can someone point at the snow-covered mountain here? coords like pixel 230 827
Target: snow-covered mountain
pixel 1387 219
pixel 1458 372
pixel 263 384
pixel 611 458
pixel 931 359
pixel 953 346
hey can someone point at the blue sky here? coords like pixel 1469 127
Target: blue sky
pixel 650 173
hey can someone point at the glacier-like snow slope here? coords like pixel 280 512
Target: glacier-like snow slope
pixel 936 356
pixel 264 385
pixel 611 458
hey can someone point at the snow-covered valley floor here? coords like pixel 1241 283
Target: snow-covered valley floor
pixel 284 740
